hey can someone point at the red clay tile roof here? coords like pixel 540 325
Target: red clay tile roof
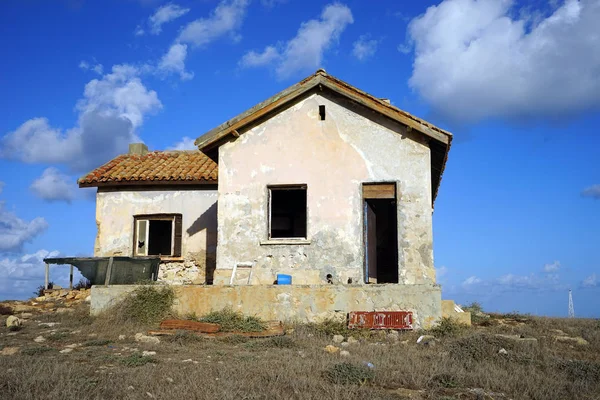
pixel 154 167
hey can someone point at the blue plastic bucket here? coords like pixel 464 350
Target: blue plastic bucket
pixel 283 279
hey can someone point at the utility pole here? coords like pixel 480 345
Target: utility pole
pixel 571 308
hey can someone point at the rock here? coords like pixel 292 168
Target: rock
pixel 9 351
pixel 148 353
pixel 568 339
pixel 13 321
pixel 140 337
pixel 88 299
pixel 40 298
pixel 122 337
pixel 66 351
pixel 338 338
pixel 49 324
pixel 39 339
pixel 170 380
pixel 62 310
pixel 73 346
pixel 502 351
pixel 426 339
pixel 189 360
pixel 19 308
pixel 92 335
pixel 352 340
pixel 26 315
pixel 344 344
pixel 331 349
pixel 289 331
pixel 130 388
pixel 344 353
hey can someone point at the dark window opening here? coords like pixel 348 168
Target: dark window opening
pixel 322 112
pixel 158 235
pixel 288 212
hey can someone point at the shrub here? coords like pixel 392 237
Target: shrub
pixel 448 327
pixel 281 342
pixel 231 321
pixel 442 381
pixel 473 308
pixel 147 304
pixel 349 374
pixel 40 289
pixel 234 339
pixel 137 360
pixel 97 342
pixel 82 284
pixel 34 351
pixel 15 328
pixel 4 310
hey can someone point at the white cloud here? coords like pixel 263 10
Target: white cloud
pixel 226 18
pixel 139 31
pixel 306 50
pixel 186 143
pixel 174 61
pixel 52 185
pixel 14 231
pixel 272 3
pixel 364 48
pixel 111 110
pixel 474 59
pixel 590 281
pixel 592 191
pixel 20 276
pixel 97 68
pixel 254 59
pixel 164 14
pixel 553 267
pixel 472 280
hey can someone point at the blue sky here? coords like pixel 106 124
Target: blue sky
pixel 517 219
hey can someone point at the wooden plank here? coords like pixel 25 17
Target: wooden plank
pixel 379 191
pixel 186 325
pixel 71 277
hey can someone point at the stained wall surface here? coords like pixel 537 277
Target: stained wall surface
pixel 115 211
pixel 333 157
pixel 302 303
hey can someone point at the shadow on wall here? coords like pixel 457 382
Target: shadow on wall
pixel 208 222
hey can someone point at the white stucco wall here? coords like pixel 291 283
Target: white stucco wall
pixel 114 218
pixel 333 157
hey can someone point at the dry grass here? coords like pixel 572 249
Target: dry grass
pixel 296 367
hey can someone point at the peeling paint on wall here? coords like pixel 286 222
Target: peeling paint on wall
pixel 114 217
pixel 333 158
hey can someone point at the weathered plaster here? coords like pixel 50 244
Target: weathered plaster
pixel 333 157
pixel 114 217
pixel 304 303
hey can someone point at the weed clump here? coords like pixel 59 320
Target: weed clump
pixel 349 374
pixel 57 337
pixel 231 321
pixel 448 327
pixel 137 360
pixel 147 304
pixel 35 351
pixel 97 342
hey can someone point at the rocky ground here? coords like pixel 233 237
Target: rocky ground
pixel 52 349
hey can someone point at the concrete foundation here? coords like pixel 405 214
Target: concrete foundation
pixel 302 303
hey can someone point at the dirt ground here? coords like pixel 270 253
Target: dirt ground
pixel 506 357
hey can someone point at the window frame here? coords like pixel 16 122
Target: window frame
pixel 270 188
pixel 176 233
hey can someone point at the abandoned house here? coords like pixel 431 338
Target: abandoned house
pixel 322 184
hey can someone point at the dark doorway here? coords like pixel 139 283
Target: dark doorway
pixel 381 238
